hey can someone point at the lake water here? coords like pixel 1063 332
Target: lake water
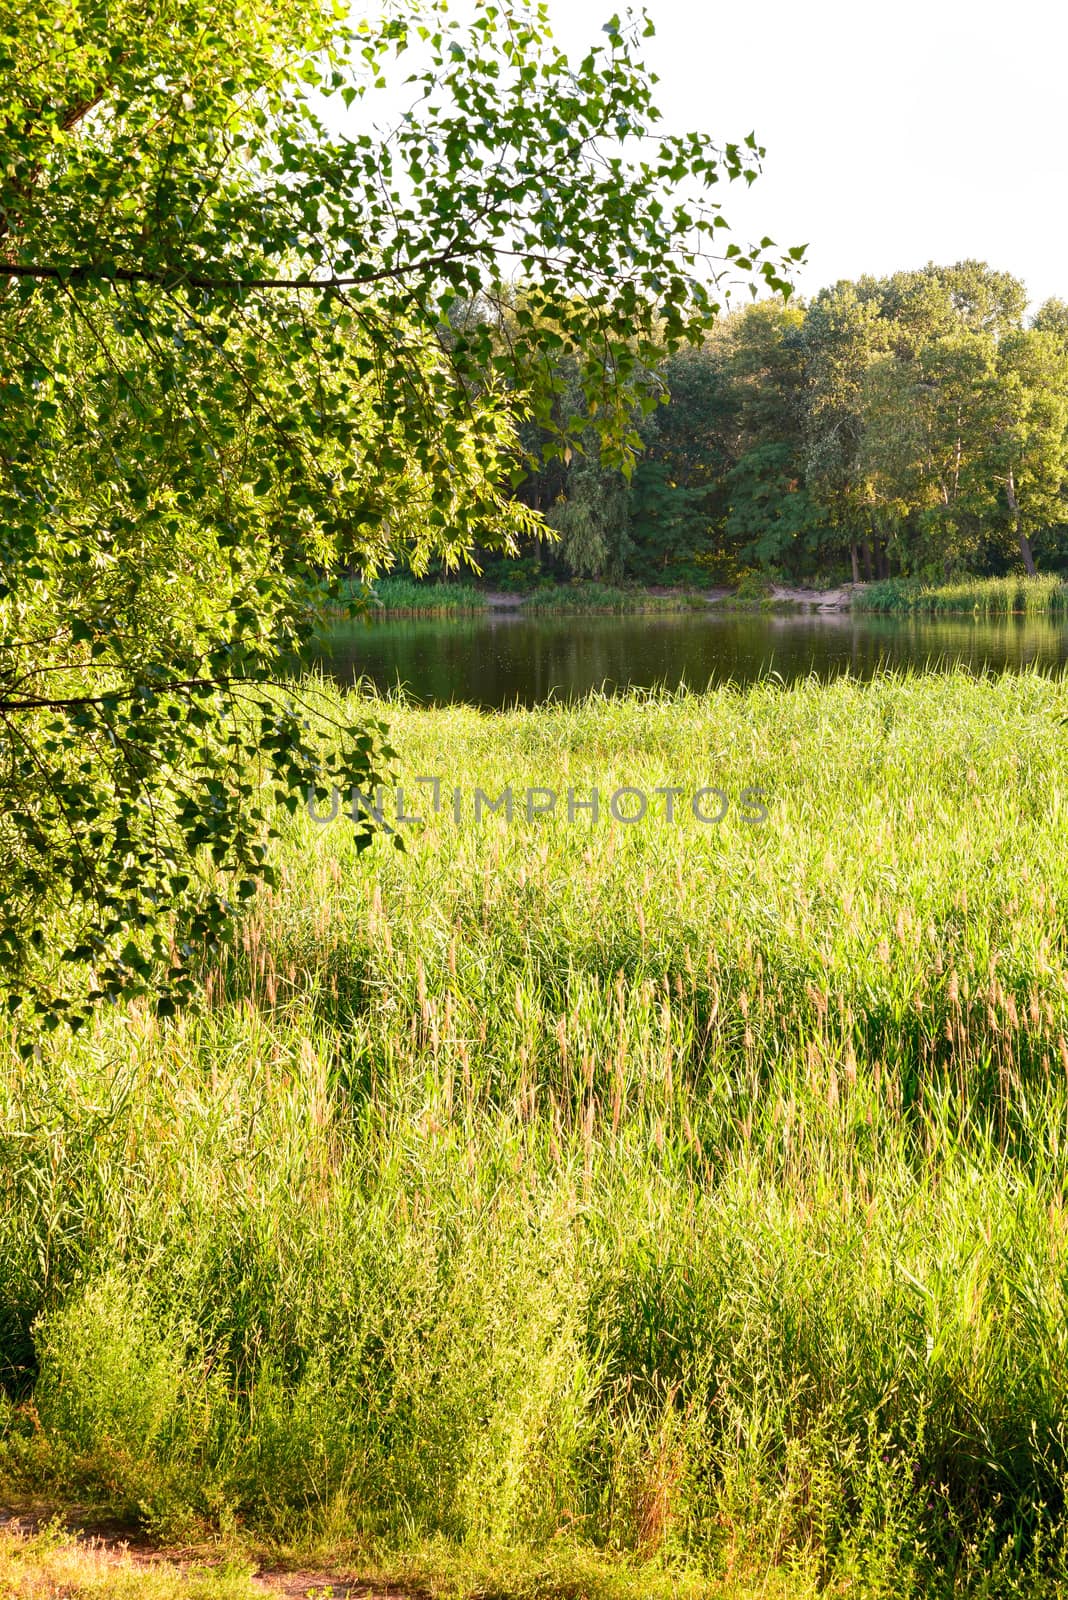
pixel 503 659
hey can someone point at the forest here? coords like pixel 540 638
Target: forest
pixel 911 426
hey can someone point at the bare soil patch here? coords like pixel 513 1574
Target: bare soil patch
pixel 97 1547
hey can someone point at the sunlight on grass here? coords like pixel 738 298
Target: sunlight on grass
pixel 986 597
pixel 53 1566
pixel 689 1194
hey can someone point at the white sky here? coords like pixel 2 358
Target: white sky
pixel 896 134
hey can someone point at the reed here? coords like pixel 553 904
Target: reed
pixel 986 597
pixel 409 597
pixel 686 1197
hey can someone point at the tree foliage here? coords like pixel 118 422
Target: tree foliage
pixel 915 423
pixel 247 340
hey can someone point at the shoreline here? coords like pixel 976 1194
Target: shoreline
pixel 982 597
pixel 648 601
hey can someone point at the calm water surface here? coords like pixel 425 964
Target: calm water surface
pixel 503 659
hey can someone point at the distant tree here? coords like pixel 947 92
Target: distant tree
pixel 921 448
pixel 1029 431
pixel 910 422
pixel 676 497
pixel 984 299
pixel 1052 318
pixel 842 336
pixel 772 518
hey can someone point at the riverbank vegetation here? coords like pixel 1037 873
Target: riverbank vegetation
pixel 393 596
pixel 587 596
pixel 985 597
pixel 591 596
pixel 1039 596
pixel 692 1192
pixel 399 596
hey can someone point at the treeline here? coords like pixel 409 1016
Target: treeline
pixel 914 425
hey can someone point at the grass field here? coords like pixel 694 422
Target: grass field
pixel 588 1207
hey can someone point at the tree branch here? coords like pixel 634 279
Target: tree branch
pixel 86 272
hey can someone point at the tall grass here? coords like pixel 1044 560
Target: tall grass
pixel 410 597
pixel 691 1192
pixel 988 597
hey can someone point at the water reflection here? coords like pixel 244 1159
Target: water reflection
pixel 504 659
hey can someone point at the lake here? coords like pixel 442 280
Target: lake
pixel 503 659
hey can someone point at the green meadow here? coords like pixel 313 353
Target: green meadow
pixel 630 1207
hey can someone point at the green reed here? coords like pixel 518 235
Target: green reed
pixel 987 597
pixel 690 1193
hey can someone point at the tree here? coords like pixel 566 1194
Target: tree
pixel 591 519
pixel 907 413
pixel 842 336
pixel 772 518
pixel 676 497
pixel 1030 431
pixel 1052 318
pixel 232 354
